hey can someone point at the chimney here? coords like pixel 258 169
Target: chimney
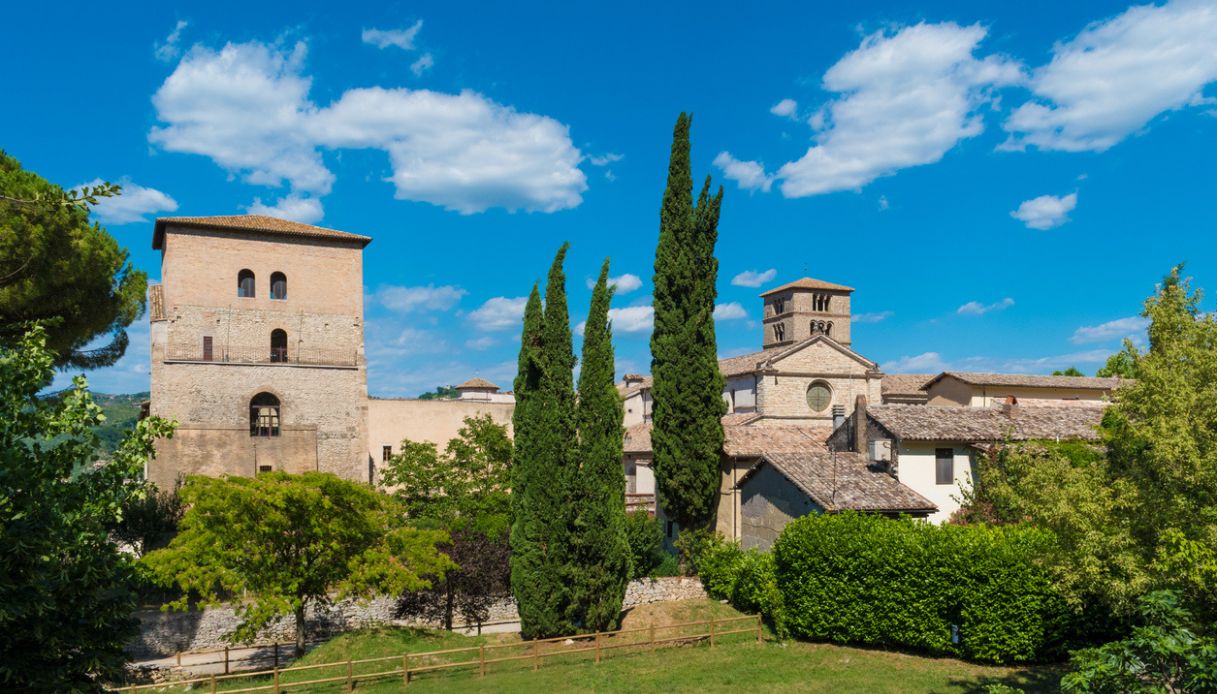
pixel 859 434
pixel 1009 404
pixel 838 416
pixel 631 379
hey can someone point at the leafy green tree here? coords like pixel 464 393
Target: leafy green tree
pixel 645 537
pixel 150 519
pixel 1120 364
pixel 290 541
pixel 688 435
pixel 483 577
pixel 58 269
pixel 599 550
pixel 66 590
pixel 1071 371
pixel 1163 654
pixel 440 393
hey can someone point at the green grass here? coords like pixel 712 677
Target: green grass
pixel 737 663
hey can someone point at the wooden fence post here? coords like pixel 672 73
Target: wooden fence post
pixel 758 628
pixel 276 680
pixel 536 656
pixel 405 669
pixel 711 632
pixel 597 648
pixel 482 660
pixel 350 680
pixel 213 684
pixel 276 654
pixel 179 659
pixel 226 660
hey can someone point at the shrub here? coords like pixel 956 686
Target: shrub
pixel 670 566
pixel 691 544
pixel 972 591
pixel 645 538
pixel 718 567
pixel 744 578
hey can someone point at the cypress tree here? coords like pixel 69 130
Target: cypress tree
pixel 600 554
pixel 687 436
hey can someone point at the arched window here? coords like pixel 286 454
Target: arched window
pixel 278 345
pixel 278 285
pixel 245 284
pixel 828 328
pixel 264 415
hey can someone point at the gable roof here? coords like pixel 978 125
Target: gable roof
pixel 777 355
pixel 741 440
pixel 253 223
pixel 477 384
pixel 1030 381
pixel 982 424
pixel 809 283
pixel 904 385
pixel 843 482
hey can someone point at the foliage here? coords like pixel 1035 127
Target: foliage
pixel 441 393
pixel 856 578
pixel 1163 654
pixel 66 591
pixel 465 487
pixel 645 539
pixel 1071 371
pixel 599 552
pixel 60 270
pixel 687 436
pixel 150 519
pixel 668 566
pixel 290 541
pixel 745 578
pixel 1122 364
pixel 482 576
pixel 691 545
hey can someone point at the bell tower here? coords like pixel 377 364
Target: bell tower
pixel 804 308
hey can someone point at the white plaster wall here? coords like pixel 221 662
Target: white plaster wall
pixel 917 471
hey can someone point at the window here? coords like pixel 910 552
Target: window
pixel 944 466
pixel 779 306
pixel 264 415
pixel 245 284
pixel 668 529
pixel 828 328
pixel 819 396
pixel 278 345
pixel 265 468
pixel 208 354
pixel 386 452
pixel 779 332
pixel 278 285
pixel 819 302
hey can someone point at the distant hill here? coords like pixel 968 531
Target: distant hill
pixel 122 411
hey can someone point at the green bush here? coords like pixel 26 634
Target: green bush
pixel 719 566
pixel 856 578
pixel 645 538
pixel 670 566
pixel 745 579
pixel 691 544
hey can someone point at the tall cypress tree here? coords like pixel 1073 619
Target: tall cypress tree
pixel 687 436
pixel 600 553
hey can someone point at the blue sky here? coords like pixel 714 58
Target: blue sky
pixel 1003 183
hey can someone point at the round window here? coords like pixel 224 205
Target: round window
pixel 819 397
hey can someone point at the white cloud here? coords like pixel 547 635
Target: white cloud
pixel 874 317
pixel 134 205
pixel 906 98
pixel 499 313
pixel 975 308
pixel 425 62
pixel 481 343
pixel 1046 211
pixel 926 362
pixel 171 48
pixel 247 108
pixel 786 108
pixel 402 38
pixel 883 203
pixel 750 175
pixel 604 160
pixel 752 278
pixel 393 380
pixel 294 207
pixel 1052 363
pixel 425 298
pixel 731 311
pixel 1111 330
pixel 625 283
pixel 1115 76
pixel 630 319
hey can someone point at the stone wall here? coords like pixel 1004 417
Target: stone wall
pixel 165 633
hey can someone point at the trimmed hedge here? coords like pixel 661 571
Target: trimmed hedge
pixel 645 538
pixel 745 579
pixel 865 579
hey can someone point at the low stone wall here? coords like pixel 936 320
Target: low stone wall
pixel 165 633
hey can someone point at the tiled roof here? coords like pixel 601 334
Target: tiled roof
pixel 904 385
pixel 844 482
pixel 739 418
pixel 255 223
pixel 744 363
pixel 742 441
pixel 638 438
pixel 980 424
pixel 987 379
pixel 477 384
pixel 809 283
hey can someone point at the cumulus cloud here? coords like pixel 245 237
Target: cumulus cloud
pixel 752 278
pixel 247 108
pixel 1114 77
pixel 975 308
pixel 750 175
pixel 134 205
pixel 425 62
pixel 631 319
pixel 786 108
pixel 906 98
pixel 294 207
pixel 423 298
pixel 926 362
pixel 1046 211
pixel 481 343
pixel 875 317
pixel 1051 363
pixel 401 38
pixel 1120 328
pixel 499 313
pixel 731 311
pixel 625 283
pixel 171 47
pixel 604 159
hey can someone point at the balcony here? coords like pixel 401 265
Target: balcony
pixel 302 355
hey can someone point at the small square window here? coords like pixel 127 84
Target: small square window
pixel 265 468
pixel 944 466
pixel 386 452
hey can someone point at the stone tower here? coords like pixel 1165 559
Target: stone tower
pixel 796 311
pixel 257 348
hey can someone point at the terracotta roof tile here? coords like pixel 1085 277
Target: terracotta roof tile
pixel 980 424
pixel 989 379
pixel 255 223
pixel 477 384
pixel 844 482
pixel 904 384
pixel 809 283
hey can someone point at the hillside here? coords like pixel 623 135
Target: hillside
pixel 122 411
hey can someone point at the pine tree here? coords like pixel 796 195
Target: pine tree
pixel 687 436
pixel 600 553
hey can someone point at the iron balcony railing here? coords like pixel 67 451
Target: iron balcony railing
pixel 245 354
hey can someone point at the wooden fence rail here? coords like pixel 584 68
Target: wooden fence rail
pixel 408 664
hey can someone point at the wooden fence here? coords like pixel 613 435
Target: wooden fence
pixel 406 665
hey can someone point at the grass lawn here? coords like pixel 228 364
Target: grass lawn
pixel 737 663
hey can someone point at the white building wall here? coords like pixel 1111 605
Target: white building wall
pixel 917 471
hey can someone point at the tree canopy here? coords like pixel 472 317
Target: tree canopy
pixel 62 271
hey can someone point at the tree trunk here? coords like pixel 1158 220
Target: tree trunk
pixel 448 605
pixel 300 630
